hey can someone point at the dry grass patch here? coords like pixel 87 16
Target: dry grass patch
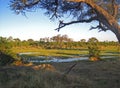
pixel 86 74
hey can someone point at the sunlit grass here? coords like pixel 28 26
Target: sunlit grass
pixel 50 52
pixel 86 74
pixel 112 51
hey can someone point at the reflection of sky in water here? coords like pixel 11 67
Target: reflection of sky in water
pixel 48 59
pixel 28 53
pixel 60 60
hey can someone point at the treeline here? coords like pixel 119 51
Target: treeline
pixel 8 46
pixel 55 42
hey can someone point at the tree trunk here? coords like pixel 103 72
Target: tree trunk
pixel 104 17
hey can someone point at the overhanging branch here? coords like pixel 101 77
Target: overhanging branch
pixel 100 27
pixel 35 2
pixel 62 24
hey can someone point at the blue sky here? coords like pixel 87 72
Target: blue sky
pixel 36 25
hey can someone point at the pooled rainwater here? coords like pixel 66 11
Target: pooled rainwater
pixel 58 60
pixel 50 59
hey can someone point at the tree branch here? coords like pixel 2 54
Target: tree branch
pixel 115 8
pixel 55 9
pixel 30 4
pixel 101 2
pixel 101 27
pixel 97 8
pixel 118 6
pixel 61 24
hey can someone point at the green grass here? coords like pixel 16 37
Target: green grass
pixel 68 53
pixel 86 74
pixel 52 52
pixel 62 52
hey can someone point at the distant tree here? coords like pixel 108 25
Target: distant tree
pixel 105 12
pixel 93 40
pixel 83 40
pixel 25 43
pixel 4 45
pixel 42 39
pixel 30 40
pixel 17 42
pixel 10 38
pixel 47 39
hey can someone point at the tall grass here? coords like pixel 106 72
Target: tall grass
pixel 86 74
pixel 22 77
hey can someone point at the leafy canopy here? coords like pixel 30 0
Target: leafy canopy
pixel 79 11
pixel 105 12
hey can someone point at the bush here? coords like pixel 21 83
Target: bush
pixel 94 51
pixel 5 59
pixel 93 48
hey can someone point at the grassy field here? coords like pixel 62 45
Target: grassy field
pixel 86 74
pixel 51 52
pixel 100 74
pixel 64 52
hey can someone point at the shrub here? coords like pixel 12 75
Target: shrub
pixel 5 59
pixel 93 48
pixel 94 51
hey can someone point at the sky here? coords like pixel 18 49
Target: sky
pixel 37 25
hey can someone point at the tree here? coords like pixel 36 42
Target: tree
pixel 82 40
pixel 16 42
pixel 5 45
pixel 6 55
pixel 93 48
pixel 93 39
pixel 105 12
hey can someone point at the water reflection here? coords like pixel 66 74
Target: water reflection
pixel 58 60
pixel 49 59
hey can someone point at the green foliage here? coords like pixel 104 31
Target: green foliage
pixel 93 48
pixel 60 8
pixel 60 45
pixel 5 59
pixel 55 42
pixel 4 45
pixel 94 51
pixel 6 55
